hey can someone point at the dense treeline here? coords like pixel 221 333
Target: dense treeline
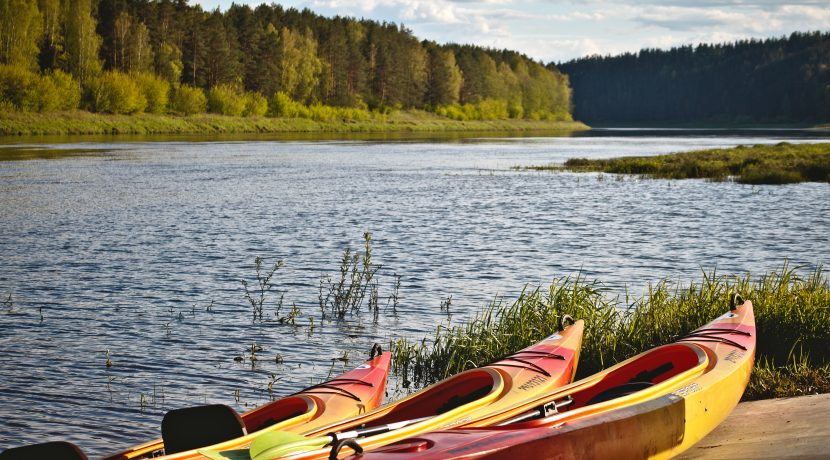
pixel 774 80
pixel 132 56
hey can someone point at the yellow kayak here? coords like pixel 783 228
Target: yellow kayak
pixel 654 405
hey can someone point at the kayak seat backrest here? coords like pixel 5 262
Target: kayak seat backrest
pixel 56 450
pixel 619 391
pixel 200 426
pixel 650 368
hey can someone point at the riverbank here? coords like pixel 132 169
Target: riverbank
pixel 792 321
pixel 782 163
pixel 791 428
pixel 82 122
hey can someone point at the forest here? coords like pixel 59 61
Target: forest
pixel 779 80
pixel 166 56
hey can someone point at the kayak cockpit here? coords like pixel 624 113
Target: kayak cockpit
pixel 473 386
pixel 293 408
pixel 651 368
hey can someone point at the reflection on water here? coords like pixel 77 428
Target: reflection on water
pixel 139 250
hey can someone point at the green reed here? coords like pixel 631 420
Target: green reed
pixel 782 163
pixel 792 313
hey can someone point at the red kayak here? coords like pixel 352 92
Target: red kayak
pixel 654 405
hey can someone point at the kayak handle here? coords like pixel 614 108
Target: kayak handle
pixel 350 442
pixel 735 301
pixel 563 319
pixel 375 348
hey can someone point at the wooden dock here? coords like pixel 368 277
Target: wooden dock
pixel 787 428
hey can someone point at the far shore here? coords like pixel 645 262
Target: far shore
pixel 82 122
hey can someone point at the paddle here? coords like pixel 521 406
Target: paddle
pixel 279 443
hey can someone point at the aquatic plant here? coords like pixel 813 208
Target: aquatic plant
pixel 347 292
pixel 792 314
pixel 264 285
pixel 783 163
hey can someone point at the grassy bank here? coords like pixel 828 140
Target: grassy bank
pixel 760 164
pixel 792 313
pixel 82 122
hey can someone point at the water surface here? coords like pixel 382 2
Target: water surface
pixel 138 246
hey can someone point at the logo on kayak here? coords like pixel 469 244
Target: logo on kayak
pixel 533 382
pixel 555 336
pixel 363 366
pixel 687 390
pixel 734 356
pixel 727 315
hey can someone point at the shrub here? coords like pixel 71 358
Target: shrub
pixel 283 106
pixel 21 89
pixel 492 109
pixel 155 90
pixel 18 87
pixel 188 100
pixel 115 92
pixel 67 90
pixel 226 100
pixel 255 105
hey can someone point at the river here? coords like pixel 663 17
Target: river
pixel 131 250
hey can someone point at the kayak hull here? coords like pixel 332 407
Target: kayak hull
pixel 513 381
pixel 681 403
pixel 351 393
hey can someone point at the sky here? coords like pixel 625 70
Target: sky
pixel 560 30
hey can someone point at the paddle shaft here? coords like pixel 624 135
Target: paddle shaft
pixel 373 430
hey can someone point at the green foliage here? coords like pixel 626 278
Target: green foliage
pixel 115 92
pixel 300 67
pixel 27 91
pixel 82 42
pixel 155 91
pixel 67 90
pixel 761 164
pixel 226 100
pixel 21 25
pixel 169 63
pixel 487 109
pixel 283 106
pixel 791 313
pixel 255 105
pixel 188 100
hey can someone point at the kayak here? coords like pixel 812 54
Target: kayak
pixel 464 398
pixel 349 394
pixel 654 405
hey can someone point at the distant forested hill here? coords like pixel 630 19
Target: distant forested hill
pixel 779 80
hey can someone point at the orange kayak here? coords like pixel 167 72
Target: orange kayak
pixel 349 394
pixel 654 405
pixel 464 398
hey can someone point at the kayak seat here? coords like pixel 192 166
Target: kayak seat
pixel 200 426
pixel 460 400
pixel 56 450
pixel 619 391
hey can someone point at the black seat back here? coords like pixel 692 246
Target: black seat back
pixel 56 450
pixel 201 426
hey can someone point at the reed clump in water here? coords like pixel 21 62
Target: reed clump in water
pixel 782 163
pixel 792 314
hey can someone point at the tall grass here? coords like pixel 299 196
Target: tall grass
pixel 792 314
pixel 782 163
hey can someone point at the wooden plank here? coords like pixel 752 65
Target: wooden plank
pixel 787 428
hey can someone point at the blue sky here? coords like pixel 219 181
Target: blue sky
pixel 555 30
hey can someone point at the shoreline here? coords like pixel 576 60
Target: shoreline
pixel 78 122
